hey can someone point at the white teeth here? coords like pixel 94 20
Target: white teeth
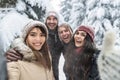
pixel 65 37
pixel 51 24
pixel 37 44
pixel 78 41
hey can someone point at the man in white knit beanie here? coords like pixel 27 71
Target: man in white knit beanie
pixel 54 43
pixel 109 59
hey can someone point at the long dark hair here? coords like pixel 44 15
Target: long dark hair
pixel 89 45
pixel 89 49
pixel 45 58
pixel 85 59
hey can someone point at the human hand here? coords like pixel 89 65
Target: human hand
pixel 13 55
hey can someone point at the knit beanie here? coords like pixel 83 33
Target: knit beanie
pixel 52 13
pixel 31 25
pixel 109 58
pixel 88 30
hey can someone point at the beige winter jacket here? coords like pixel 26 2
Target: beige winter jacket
pixel 22 70
pixel 25 70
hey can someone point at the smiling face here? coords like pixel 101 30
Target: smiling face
pixel 79 38
pixel 35 39
pixel 51 22
pixel 64 34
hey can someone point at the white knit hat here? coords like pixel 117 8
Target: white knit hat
pixel 32 24
pixel 109 59
pixel 52 13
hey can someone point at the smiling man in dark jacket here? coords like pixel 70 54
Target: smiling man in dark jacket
pixel 54 43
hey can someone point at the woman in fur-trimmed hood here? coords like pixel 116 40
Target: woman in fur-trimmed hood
pixel 79 53
pixel 36 63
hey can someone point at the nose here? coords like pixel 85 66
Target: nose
pixel 51 21
pixel 78 36
pixel 63 33
pixel 38 38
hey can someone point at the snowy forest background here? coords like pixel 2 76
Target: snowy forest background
pixel 103 15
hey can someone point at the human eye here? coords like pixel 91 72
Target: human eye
pixel 48 18
pixel 32 34
pixel 42 34
pixel 77 33
pixel 83 34
pixel 66 31
pixel 54 19
pixel 61 32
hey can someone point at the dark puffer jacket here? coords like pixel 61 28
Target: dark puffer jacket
pixel 55 47
pixel 94 73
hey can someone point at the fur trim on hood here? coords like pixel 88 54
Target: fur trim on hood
pixel 109 59
pixel 19 45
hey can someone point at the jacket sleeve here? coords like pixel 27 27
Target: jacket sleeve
pixel 94 73
pixel 13 71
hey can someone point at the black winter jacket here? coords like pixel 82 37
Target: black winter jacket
pixel 94 74
pixel 54 43
pixel 78 65
pixel 55 48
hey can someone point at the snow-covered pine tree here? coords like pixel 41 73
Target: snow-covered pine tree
pixel 13 16
pixel 7 3
pixel 34 9
pixel 66 7
pixel 103 15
